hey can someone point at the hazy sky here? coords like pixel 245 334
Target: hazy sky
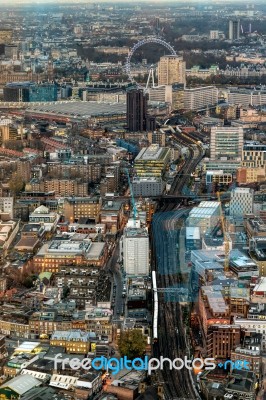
pixel 17 2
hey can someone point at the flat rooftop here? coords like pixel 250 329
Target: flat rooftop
pixel 146 179
pixel 152 153
pixel 27 347
pixel 60 247
pixel 71 336
pixel 202 212
pixel 136 232
pixel 240 260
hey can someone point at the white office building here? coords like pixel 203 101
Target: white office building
pixel 200 98
pixel 161 94
pixel 241 202
pixel 147 187
pixel 134 248
pixel 247 97
pixel 226 143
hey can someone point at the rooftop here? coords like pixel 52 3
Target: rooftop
pixel 59 248
pixel 152 153
pixel 21 384
pixel 136 232
pixel 75 336
pixel 79 109
pixel 261 286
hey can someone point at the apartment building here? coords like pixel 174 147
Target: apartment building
pixel 88 172
pixel 61 187
pixel 76 342
pixel 79 207
pixel 171 69
pixel 253 155
pixel 221 340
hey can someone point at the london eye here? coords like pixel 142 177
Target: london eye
pixel 148 40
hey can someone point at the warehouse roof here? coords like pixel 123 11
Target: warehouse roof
pixel 21 384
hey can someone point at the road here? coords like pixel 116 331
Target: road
pixel 172 342
pixel 114 267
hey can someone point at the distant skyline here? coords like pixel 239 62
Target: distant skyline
pixel 41 2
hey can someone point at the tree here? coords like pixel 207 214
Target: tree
pixel 66 292
pixel 16 184
pixel 28 282
pixel 132 343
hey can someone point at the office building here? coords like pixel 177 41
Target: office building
pixel 147 186
pixel 171 69
pixel 205 216
pixel 136 110
pixel 42 92
pixel 253 155
pixel 135 248
pixel 227 166
pixel 53 255
pixel 78 207
pixel 221 340
pixel 17 92
pixel 241 202
pixel 247 97
pixel 161 94
pixel 226 143
pixel 200 98
pixel 234 29
pixel 30 92
pixel 152 161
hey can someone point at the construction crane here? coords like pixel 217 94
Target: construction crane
pixel 225 234
pixel 134 207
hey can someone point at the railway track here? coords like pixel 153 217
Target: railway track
pixel 195 155
pixel 171 336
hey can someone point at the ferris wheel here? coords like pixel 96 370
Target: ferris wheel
pixel 150 39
